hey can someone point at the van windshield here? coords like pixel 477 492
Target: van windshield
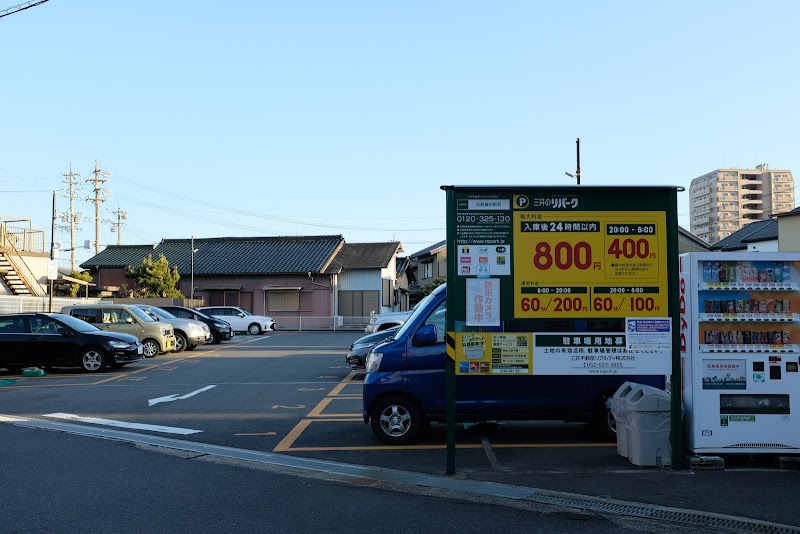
pixel 420 308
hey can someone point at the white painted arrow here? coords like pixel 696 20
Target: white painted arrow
pixel 174 397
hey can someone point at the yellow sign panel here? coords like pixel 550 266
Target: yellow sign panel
pixel 484 353
pixel 590 264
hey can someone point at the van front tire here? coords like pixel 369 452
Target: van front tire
pixel 396 420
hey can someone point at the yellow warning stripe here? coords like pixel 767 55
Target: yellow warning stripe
pixel 451 345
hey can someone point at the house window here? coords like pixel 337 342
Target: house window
pixel 386 292
pixel 427 270
pixel 284 300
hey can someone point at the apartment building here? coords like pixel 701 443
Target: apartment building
pixel 725 200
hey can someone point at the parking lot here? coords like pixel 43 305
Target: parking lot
pixel 293 394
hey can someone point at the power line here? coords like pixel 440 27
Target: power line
pixel 229 209
pixel 21 7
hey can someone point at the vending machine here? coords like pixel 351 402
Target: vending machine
pixel 740 348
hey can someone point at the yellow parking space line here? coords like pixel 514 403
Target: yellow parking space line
pixel 318 409
pixel 341 385
pixel 286 443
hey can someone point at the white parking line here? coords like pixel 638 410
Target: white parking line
pixel 123 424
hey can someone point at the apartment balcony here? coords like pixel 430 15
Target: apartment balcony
pixel 751 199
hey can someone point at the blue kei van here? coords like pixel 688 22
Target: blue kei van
pixel 404 388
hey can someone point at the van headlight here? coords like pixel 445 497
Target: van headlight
pixel 373 362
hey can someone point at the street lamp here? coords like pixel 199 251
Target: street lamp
pixel 191 289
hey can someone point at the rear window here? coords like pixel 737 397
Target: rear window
pixel 87 314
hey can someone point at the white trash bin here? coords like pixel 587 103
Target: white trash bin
pixel 617 406
pixel 649 418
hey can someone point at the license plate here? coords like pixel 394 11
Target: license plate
pixel 140 349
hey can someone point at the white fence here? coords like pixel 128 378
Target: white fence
pixel 16 304
pixel 336 323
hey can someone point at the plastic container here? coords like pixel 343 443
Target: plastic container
pixel 649 420
pixel 617 406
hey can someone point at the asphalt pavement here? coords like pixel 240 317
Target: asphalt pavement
pixel 609 496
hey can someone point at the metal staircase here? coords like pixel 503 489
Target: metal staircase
pixel 14 271
pixel 11 278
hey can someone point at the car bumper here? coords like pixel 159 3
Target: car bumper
pixel 224 335
pixel 127 355
pixel 355 359
pixel 198 340
pixel 168 345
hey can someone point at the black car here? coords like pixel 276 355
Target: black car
pixel 363 345
pixel 58 340
pixel 220 330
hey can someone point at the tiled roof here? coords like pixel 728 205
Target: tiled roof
pixel 428 250
pixel 689 235
pixel 753 232
pixel 229 255
pixel 367 255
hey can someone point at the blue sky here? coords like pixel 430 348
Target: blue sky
pixel 314 118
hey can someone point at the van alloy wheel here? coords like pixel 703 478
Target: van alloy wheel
pixel 395 420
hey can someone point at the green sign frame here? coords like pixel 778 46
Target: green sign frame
pixel 527 263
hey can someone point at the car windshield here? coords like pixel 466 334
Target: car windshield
pixel 202 314
pixel 76 324
pixel 140 313
pixel 164 314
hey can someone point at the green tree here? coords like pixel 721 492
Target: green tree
pixel 73 289
pixel 155 278
pixel 423 291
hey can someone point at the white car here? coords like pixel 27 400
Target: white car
pixel 240 319
pixel 387 320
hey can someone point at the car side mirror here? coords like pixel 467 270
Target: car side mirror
pixel 426 335
pixel 129 320
pixel 241 314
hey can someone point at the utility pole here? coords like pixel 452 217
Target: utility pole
pixel 52 256
pixel 73 192
pixel 577 174
pixel 122 215
pixel 99 197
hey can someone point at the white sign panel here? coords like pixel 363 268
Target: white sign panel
pixel 483 302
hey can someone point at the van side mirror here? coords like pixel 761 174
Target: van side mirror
pixel 426 335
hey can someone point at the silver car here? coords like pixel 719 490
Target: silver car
pixel 188 334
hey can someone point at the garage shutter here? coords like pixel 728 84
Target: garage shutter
pixel 358 303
